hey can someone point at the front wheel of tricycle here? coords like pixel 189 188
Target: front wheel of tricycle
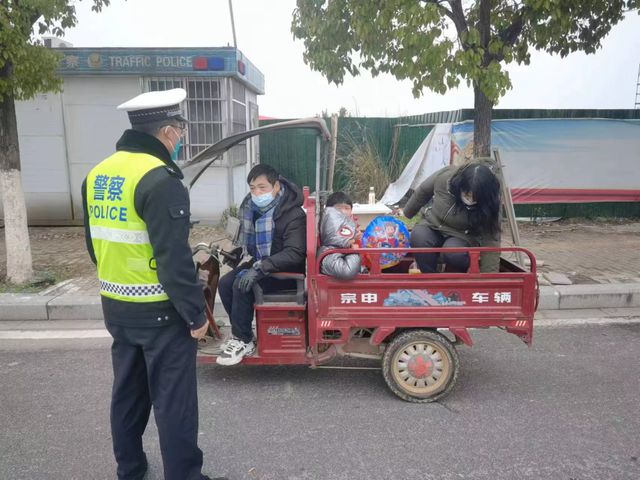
pixel 420 366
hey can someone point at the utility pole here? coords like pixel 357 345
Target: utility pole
pixel 637 105
pixel 233 24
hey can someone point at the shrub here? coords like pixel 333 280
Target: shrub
pixel 362 167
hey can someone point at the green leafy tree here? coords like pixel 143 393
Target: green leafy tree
pixel 438 43
pixel 27 67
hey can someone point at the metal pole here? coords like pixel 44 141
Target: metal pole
pixel 507 202
pixel 233 24
pixel 334 146
pixel 318 170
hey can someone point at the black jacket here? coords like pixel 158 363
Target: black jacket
pixel 289 243
pixel 162 201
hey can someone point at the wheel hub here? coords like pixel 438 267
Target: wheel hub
pixel 420 366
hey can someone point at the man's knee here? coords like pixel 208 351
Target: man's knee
pixel 225 285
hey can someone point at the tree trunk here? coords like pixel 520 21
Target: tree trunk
pixel 481 104
pixel 483 109
pixel 16 232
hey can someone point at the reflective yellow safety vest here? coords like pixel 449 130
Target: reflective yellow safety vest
pixel 126 267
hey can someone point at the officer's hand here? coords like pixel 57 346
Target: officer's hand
pixel 200 332
pixel 245 284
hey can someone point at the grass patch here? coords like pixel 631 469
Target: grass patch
pixel 40 281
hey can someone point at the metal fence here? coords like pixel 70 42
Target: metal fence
pixel 292 152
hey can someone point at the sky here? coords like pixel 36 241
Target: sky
pixel 606 79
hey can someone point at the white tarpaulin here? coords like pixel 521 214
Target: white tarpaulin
pixel 433 154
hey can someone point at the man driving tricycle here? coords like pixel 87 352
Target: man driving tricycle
pixel 272 233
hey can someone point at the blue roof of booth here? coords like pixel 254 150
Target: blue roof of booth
pixel 206 62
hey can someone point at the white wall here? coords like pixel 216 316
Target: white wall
pixel 240 188
pixel 45 176
pixel 209 195
pixel 62 136
pixel 93 124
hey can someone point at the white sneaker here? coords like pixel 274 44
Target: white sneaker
pixel 234 351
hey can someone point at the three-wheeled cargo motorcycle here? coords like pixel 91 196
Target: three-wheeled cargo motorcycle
pixel 410 322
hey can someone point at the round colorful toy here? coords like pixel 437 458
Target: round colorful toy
pixel 386 232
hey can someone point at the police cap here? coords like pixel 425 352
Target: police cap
pixel 151 107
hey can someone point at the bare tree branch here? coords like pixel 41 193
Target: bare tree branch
pixel 510 35
pixel 484 27
pixel 439 3
pixel 457 15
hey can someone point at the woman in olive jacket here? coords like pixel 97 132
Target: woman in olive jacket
pixel 462 209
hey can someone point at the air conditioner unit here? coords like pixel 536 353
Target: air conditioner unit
pixel 55 42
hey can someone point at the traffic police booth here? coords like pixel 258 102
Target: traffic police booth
pixel 63 135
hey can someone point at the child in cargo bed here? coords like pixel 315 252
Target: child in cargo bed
pixel 338 230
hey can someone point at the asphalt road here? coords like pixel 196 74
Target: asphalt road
pixel 565 409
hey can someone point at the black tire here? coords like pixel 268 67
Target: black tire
pixel 426 353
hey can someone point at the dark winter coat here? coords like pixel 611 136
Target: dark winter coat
pixel 289 242
pixel 442 214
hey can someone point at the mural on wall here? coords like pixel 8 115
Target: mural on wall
pixel 422 298
pixel 546 160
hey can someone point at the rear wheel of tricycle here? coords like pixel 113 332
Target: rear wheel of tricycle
pixel 420 366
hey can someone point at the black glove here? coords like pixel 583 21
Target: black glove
pixel 245 284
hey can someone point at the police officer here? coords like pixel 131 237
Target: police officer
pixel 137 227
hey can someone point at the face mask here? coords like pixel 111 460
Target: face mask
pixel 466 199
pixel 262 200
pixel 176 150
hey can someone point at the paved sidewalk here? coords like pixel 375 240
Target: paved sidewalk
pixel 599 259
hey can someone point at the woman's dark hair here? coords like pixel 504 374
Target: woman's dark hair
pixel 339 197
pixel 480 181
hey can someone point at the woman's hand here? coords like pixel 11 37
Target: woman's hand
pixel 397 211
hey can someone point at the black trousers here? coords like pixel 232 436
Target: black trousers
pixel 155 367
pixel 239 305
pixel 423 236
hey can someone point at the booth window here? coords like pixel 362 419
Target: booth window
pixel 203 109
pixel 238 154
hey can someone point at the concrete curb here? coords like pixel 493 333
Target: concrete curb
pixel 16 306
pixel 87 307
pixel 572 297
pixel 74 307
pixel 21 307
